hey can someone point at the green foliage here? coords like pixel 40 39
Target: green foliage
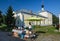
pixel 1 17
pixel 4 19
pixel 3 27
pixel 9 18
pixel 46 29
pixel 55 20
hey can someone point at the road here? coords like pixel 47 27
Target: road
pixel 4 36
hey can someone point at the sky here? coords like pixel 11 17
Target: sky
pixel 52 6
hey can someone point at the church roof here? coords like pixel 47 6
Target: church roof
pixel 28 12
pixel 45 11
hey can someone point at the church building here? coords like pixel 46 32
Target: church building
pixel 22 15
pixel 48 20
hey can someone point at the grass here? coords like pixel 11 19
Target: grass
pixel 40 29
pixel 47 29
pixel 3 27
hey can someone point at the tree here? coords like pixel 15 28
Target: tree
pixel 9 18
pixel 55 19
pixel 4 18
pixel 1 17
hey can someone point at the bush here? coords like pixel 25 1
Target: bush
pixel 3 27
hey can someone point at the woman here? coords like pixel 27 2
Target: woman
pixel 30 27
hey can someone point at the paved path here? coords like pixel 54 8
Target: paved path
pixel 5 37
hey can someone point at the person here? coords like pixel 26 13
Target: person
pixel 30 27
pixel 23 33
pixel 19 32
pixel 26 35
pixel 14 31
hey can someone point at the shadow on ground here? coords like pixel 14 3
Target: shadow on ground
pixel 5 37
pixel 40 32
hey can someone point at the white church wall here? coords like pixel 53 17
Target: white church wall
pixel 50 18
pixel 26 16
pixel 44 14
pixel 47 21
pixel 19 20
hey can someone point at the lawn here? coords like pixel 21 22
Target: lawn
pixel 3 27
pixel 46 29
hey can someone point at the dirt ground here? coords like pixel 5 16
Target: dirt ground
pixel 48 37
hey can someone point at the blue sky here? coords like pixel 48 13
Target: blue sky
pixel 34 5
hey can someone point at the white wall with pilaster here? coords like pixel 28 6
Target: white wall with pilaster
pixel 48 20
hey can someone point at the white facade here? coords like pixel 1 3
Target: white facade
pixel 25 14
pixel 20 18
pixel 48 20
